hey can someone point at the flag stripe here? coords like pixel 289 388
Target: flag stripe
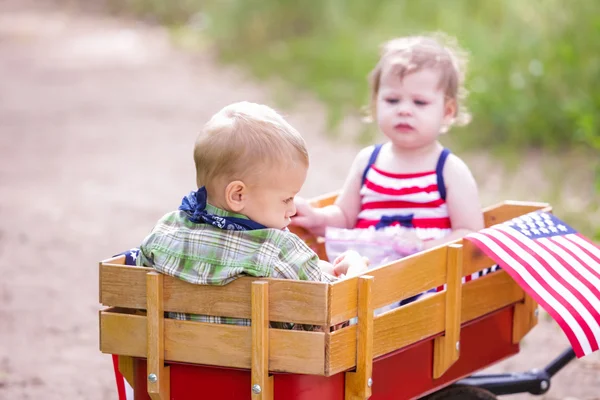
pixel 586 295
pixel 580 255
pixel 575 265
pixel 567 278
pixel 574 332
pixel 566 272
pixel 537 260
pixel 592 252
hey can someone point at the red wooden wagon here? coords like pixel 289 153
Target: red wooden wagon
pixel 427 347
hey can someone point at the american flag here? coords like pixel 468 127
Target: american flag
pixel 556 266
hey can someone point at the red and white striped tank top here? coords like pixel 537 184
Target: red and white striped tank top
pixel 416 201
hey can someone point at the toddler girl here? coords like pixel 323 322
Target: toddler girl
pixel 410 192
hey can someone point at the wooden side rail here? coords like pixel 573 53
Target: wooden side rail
pixel 124 332
pixel 393 282
pixel 299 302
pixel 359 382
pixel 423 319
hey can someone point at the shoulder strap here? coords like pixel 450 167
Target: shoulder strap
pixel 372 159
pixel 439 171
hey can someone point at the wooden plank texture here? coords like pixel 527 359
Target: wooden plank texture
pixel 123 285
pixel 524 318
pixel 213 344
pixel 358 383
pixel 393 282
pixel 324 200
pixel 446 347
pixel 422 319
pixel 126 369
pixel 511 209
pixel 290 301
pixel 158 386
pixel 262 383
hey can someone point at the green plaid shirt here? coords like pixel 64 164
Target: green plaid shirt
pixel 206 255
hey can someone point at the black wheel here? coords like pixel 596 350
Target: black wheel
pixel 462 393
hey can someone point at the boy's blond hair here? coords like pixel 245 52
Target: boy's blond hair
pixel 414 53
pixel 245 139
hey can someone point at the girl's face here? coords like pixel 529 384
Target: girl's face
pixel 412 111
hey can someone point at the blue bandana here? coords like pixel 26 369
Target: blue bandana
pixel 194 206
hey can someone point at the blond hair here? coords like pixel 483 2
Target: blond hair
pixel 413 53
pixel 244 139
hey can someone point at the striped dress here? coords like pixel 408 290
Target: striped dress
pixel 416 201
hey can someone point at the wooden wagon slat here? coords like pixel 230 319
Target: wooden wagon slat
pixel 422 319
pixel 359 382
pixel 213 344
pixel 159 385
pixel 508 210
pixel 525 318
pixel 393 282
pixel 446 348
pixel 290 301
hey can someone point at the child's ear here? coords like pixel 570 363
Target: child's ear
pixel 235 195
pixel 449 115
pixel 450 109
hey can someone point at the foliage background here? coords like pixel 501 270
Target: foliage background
pixel 533 74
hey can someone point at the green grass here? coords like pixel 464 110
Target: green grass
pixel 533 71
pixel 533 68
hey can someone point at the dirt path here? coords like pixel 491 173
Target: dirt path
pixel 97 119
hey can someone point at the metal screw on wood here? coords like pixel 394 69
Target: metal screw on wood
pixel 536 312
pixel 370 382
pixel 152 378
pixel 256 389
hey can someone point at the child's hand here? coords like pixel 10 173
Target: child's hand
pixel 306 216
pixel 350 263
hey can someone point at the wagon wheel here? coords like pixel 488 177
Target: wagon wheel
pixel 462 393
